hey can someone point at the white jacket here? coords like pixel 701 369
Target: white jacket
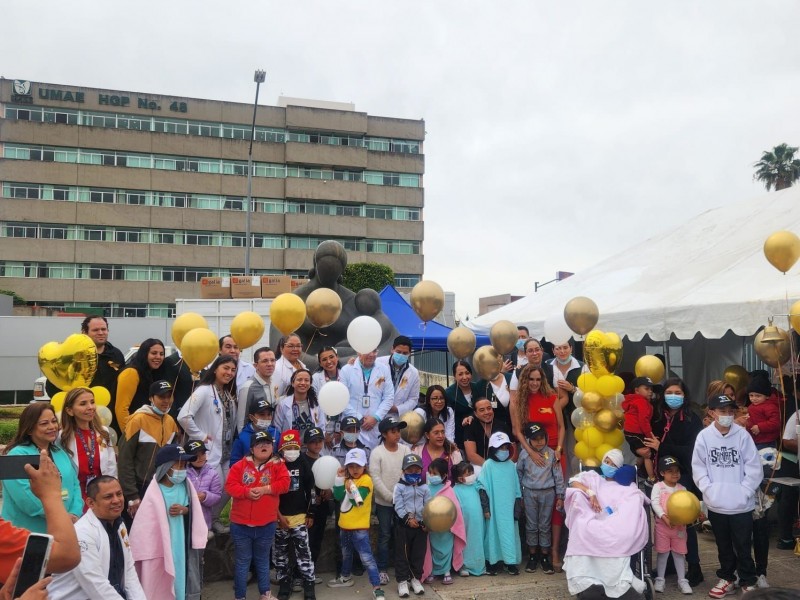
pixel 89 580
pixel 381 397
pixel 406 392
pixel 201 419
pixel 282 376
pixel 108 458
pixel 284 415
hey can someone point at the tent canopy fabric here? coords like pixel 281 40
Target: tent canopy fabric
pixel 707 276
pixel 424 336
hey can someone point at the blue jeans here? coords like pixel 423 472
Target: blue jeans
pixel 251 543
pixel 385 516
pixel 358 540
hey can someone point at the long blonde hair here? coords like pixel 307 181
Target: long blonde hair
pixel 69 424
pixel 523 391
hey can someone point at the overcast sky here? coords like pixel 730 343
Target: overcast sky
pixel 557 132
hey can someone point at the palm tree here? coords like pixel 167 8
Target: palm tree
pixel 778 168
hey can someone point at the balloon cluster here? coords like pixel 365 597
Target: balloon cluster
pixel 71 364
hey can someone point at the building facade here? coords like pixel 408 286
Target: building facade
pixel 121 201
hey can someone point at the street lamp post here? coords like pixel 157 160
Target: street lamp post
pixel 259 77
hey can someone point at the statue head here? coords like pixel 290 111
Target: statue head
pixel 330 260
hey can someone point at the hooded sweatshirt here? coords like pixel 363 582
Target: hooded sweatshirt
pixel 726 469
pixel 638 413
pixel 145 433
pixel 767 416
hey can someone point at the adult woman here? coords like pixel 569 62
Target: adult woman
pixel 566 370
pixel 535 354
pixel 460 397
pixel 675 428
pixel 436 445
pixel 435 407
pixel 479 429
pixel 170 532
pixel 299 409
pixel 328 360
pixel 85 439
pixel 37 432
pixel 133 384
pixel 290 348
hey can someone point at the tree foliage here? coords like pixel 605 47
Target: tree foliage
pixel 778 167
pixel 18 300
pixel 376 276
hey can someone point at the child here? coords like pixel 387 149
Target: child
pixel 204 479
pixel 668 537
pixel 258 419
pixel 542 488
pixel 473 504
pixel 314 439
pixel 411 537
pixel 499 478
pixel 254 484
pixel 638 414
pixel 353 491
pixel 447 547
pixel 294 517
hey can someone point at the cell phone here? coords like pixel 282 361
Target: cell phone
pixel 34 562
pixel 13 467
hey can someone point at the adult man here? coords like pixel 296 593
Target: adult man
pixel 480 429
pixel 244 370
pixel 46 486
pixel 371 394
pixel 787 503
pixel 259 387
pixel 518 358
pixel 290 348
pixel 106 569
pixel 405 376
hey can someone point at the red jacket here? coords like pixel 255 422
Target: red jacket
pixel 638 414
pixel 767 416
pixel 242 477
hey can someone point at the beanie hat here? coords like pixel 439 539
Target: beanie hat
pixel 759 385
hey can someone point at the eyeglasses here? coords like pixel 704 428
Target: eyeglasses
pixel 437 398
pixel 293 346
pixel 536 350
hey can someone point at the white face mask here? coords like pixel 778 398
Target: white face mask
pixel 470 479
pixel 263 424
pixel 291 455
pixel 725 420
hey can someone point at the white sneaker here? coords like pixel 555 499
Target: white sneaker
pixel 384 578
pixel 684 587
pixel 341 581
pixel 762 581
pixel 722 589
pixel 418 588
pixel 402 589
pixel 658 584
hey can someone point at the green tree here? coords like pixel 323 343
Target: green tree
pixel 778 167
pixel 359 276
pixel 18 300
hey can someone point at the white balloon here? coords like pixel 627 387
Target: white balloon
pixel 324 470
pixel 556 329
pixel 364 334
pixel 333 398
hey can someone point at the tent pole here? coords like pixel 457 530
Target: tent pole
pixel 665 352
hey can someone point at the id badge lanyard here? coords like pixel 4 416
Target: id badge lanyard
pixel 365 399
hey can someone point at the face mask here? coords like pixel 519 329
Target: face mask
pixel 412 478
pixel 673 400
pixel 725 420
pixel 470 479
pixel 434 479
pixel 263 424
pixel 502 455
pixel 291 455
pixel 608 470
pixel 350 438
pixel 520 344
pixel 399 359
pixel 177 477
pixel 564 361
pixel 157 410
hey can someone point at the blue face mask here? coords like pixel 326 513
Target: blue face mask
pixel 502 455
pixel 412 478
pixel 399 359
pixel 608 470
pixel 434 479
pixel 564 361
pixel 673 400
pixel 157 410
pixel 520 345
pixel 177 477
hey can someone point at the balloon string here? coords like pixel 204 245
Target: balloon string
pixel 423 326
pixel 311 340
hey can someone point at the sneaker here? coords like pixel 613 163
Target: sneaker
pixel 267 596
pixel 377 593
pixel 492 569
pixel 402 589
pixel 384 577
pixel 512 569
pixel 722 589
pixel 218 527
pixel 762 581
pixel 285 589
pixel 317 580
pixel 463 573
pixel 341 581
pixel 684 587
pixel 547 566
pixel 297 585
pixel 749 588
pixel 658 584
pixel 533 563
pixel 785 544
pixel 418 588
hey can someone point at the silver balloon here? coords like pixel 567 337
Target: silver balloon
pixel 577 397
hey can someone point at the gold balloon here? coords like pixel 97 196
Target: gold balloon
pixel 427 299
pixel 683 508
pixel 782 250
pixel 737 376
pixel 504 336
pixel 591 462
pixel 247 328
pixel 794 316
pixel 592 402
pixel 57 402
pixel 583 451
pixel 412 432
pixel 461 342
pixel 773 353
pixel 487 362
pixel 323 307
pixel 70 364
pixel 650 366
pixel 184 323
pixel 601 450
pixel 602 352
pixel 439 514
pixel 605 420
pixel 198 348
pixel 581 314
pixel 615 437
pixel 102 396
pixel 105 415
pixel 287 312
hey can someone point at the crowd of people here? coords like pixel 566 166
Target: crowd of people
pixel 246 436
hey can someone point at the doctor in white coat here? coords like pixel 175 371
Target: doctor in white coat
pixel 405 377
pixel 371 395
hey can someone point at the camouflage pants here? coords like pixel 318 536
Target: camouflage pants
pixel 298 538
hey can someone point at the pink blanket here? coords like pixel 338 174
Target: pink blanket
pixel 459 536
pixel 622 533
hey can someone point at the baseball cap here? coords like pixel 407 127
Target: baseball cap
pixel 534 429
pixel 356 456
pixel 498 439
pixel 347 422
pixel 290 437
pixel 160 388
pixel 257 407
pixel 172 453
pixel 195 446
pixel 315 433
pixel 411 460
pixel 665 462
pixel 637 381
pixel 390 422
pixel 720 402
pixel 260 437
